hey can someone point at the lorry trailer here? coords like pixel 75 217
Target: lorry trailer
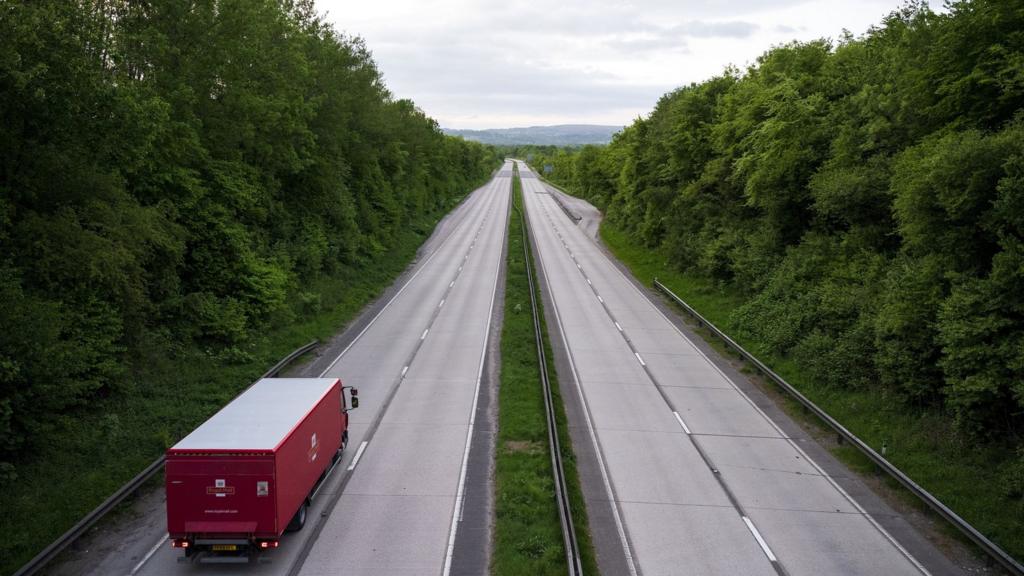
pixel 246 475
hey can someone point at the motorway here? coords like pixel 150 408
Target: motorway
pixel 699 479
pixel 393 504
pixel 692 477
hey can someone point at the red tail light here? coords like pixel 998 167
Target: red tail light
pixel 264 544
pixel 179 543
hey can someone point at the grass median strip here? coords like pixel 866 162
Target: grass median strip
pixel 527 533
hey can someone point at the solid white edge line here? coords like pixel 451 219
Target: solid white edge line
pixel 619 526
pixel 422 267
pixel 864 513
pixel 359 454
pixel 760 540
pixel 637 354
pixel 148 555
pixel 681 423
pixel 460 493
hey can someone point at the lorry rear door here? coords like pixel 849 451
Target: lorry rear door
pixel 222 495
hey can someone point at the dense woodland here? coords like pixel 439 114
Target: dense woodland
pixel 173 173
pixel 865 196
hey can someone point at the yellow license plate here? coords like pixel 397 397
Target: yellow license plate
pixel 225 547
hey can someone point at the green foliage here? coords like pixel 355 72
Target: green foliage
pixel 943 189
pixel 1012 481
pixel 864 196
pixel 981 331
pixel 171 175
pixel 905 329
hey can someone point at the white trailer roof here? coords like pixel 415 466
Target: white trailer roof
pixel 261 417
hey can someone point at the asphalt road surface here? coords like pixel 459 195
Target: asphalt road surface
pixel 393 504
pixel 701 481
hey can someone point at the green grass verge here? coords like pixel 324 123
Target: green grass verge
pixel 92 453
pixel 921 443
pixel 527 531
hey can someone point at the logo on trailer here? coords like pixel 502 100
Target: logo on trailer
pixel 313 445
pixel 220 489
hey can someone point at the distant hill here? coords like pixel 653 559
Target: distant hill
pixel 563 135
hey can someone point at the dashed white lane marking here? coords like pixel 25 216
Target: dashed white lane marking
pixel 452 283
pixel 589 282
pixel 637 354
pixel 359 454
pixel 148 555
pixel 760 540
pixel 422 267
pixel 619 327
pixel 404 370
pixel 601 299
pixel 424 335
pixel 681 423
pixel 441 304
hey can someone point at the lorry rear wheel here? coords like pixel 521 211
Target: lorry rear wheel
pixel 299 520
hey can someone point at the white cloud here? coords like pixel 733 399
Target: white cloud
pixel 487 64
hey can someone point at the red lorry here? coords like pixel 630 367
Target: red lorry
pixel 239 480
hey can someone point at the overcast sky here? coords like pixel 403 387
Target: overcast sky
pixel 501 64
